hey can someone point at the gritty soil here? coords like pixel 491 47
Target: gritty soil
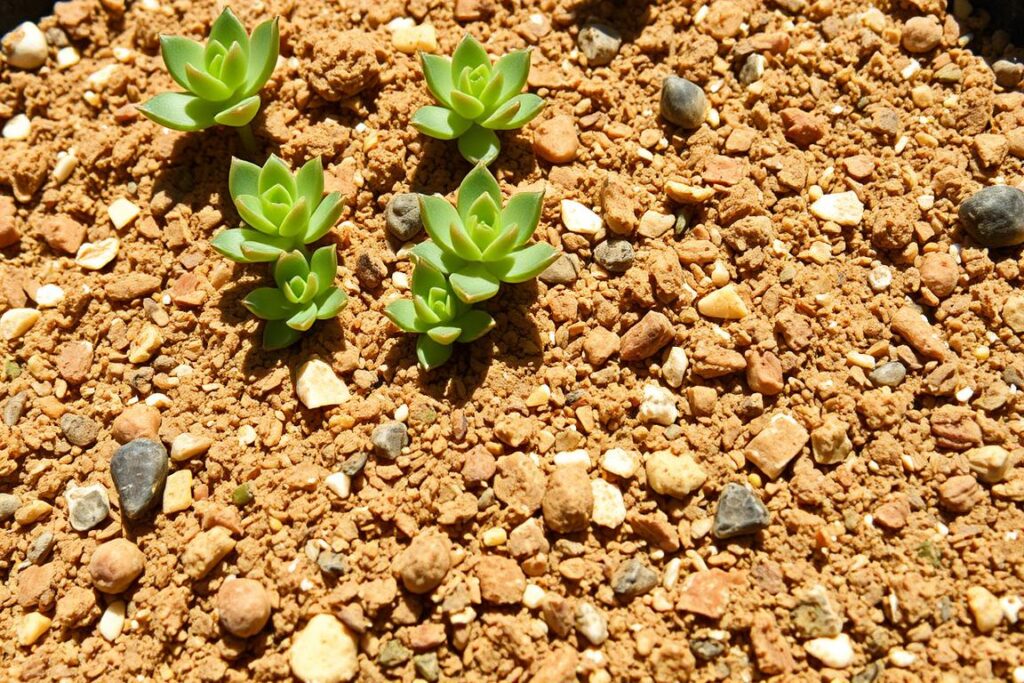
pixel 886 538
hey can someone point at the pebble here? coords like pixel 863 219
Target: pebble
pixel 739 512
pixel 561 272
pixel 502 581
pixel 889 374
pixel 775 445
pixel 32 511
pixel 96 255
pixel 187 446
pixel 994 216
pixel 40 547
pixel 815 616
pixel 674 475
pixel 984 608
pixel 844 208
pixel 591 624
pixel 138 421
pixel 764 372
pixel 393 654
pixel 354 464
pixel 25 47
pixel 989 463
pixel 9 503
pixel 673 370
pixel 139 469
pixel 371 270
pixel 177 492
pixel 706 648
pixel 568 501
pixel 339 483
pixel 31 628
pixel 317 386
pixel 918 332
pixel 619 462
pixel 14 408
pixel 427 666
pixel 658 406
pixel 939 273
pixel 609 506
pixel 879 278
pixel 556 140
pixel 724 303
pixel 402 216
pixel 600 345
pixel 79 430
pixel 122 212
pixel 16 322
pixel 1008 73
pixel 243 606
pixel 413 39
pixel 18 127
pixel 752 69
pixel 706 593
pixel 633 578
pixel 599 43
pixel 800 127
pixel 615 256
pixel 389 439
pixel 424 564
pixel 646 338
pixel 325 651
pixel 835 653
pixel 579 219
pixel 112 622
pixel 115 565
pixel 88 506
pixel 332 563
pixel 48 296
pixel 683 102
pixel 74 360
pixel 921 34
pixel 206 550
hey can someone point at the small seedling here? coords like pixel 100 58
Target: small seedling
pixel 438 316
pixel 222 79
pixel 477 98
pixel 283 211
pixel 304 294
pixel 479 244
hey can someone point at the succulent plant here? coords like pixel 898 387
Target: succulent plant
pixel 221 79
pixel 440 317
pixel 479 244
pixel 283 211
pixel 476 98
pixel 304 294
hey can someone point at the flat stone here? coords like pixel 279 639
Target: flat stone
pixel 815 616
pixel 599 43
pixel 778 443
pixel 633 578
pixel 332 563
pixel 615 256
pixel 317 386
pixel 739 512
pixel 683 102
pixel 427 666
pixel 40 547
pixel 88 506
pixel 402 216
pixel 79 430
pixel 561 272
pixel 705 593
pixel 502 582
pixel 139 469
pixel 14 408
pixel 918 332
pixel 389 439
pixel 9 503
pixel 646 338
pixel 994 216
pixel 556 140
pixel 674 475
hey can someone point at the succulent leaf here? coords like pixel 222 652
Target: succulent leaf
pixel 437 71
pixel 466 106
pixel 179 52
pixel 474 324
pixel 515 113
pixel 268 303
pixel 526 263
pixel 430 253
pixel 330 302
pixel 474 283
pixel 309 181
pixel 324 264
pixel 243 178
pixel 430 353
pixel 303 318
pixel 277 335
pixel 325 216
pixel 239 114
pixel 477 183
pixel 478 145
pixel 232 71
pixel 469 54
pixel 275 172
pixel 523 210
pixel 404 315
pixel 444 334
pixel 438 217
pixel 206 86
pixel 264 47
pixel 227 29
pixel 180 111
pixel 440 122
pixel 514 69
pixel 289 266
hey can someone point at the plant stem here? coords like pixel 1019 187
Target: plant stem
pixel 248 140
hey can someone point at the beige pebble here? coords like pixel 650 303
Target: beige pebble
pixel 989 463
pixel 775 445
pixel 32 512
pixel 96 255
pixel 674 475
pixel 178 492
pixel 115 565
pixel 243 606
pixel 1013 313
pixel 17 321
pixel 579 219
pixel 206 550
pixel 145 346
pixel 317 385
pixel 413 39
pixel 325 651
pixel 684 193
pixel 725 303
pixel 985 608
pixel 31 628
pixel 112 621
pixel 122 212
pixel 187 446
pixel 844 208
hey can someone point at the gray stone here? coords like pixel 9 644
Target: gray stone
pixel 752 69
pixel 389 439
pixel 40 547
pixel 14 407
pixel 393 654
pixel 427 667
pixel 706 648
pixel 591 623
pixel 354 464
pixel 79 430
pixel 889 374
pixel 1008 73
pixel 561 272
pixel 139 469
pixel 633 578
pixel 599 43
pixel 332 563
pixel 9 503
pixel 403 216
pixel 814 616
pixel 88 506
pixel 615 256
pixel 683 102
pixel 739 512
pixel 994 216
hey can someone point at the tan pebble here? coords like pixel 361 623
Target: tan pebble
pixel 138 421
pixel 424 564
pixel 1013 313
pixel 985 608
pixel 32 512
pixel 115 565
pixel 177 492
pixel 579 219
pixel 206 550
pixel 412 39
pixel 539 396
pixel 31 628
pixel 324 651
pixel 725 303
pixel 844 208
pixel 17 321
pixel 112 622
pixel 243 606
pixel 146 345
pixel 939 273
pixel 646 338
pixel 502 582
pixel 122 212
pixel 775 445
pixel 317 386
pixel 187 446
pixel 555 140
pixel 989 463
pixel 654 224
pixel 671 475
pixel 568 501
pixel 95 256
pixel 684 193
pixel 991 149
pixel 911 325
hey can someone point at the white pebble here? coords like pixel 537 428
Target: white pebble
pixel 246 435
pixel 658 406
pixel 66 162
pixel 122 212
pixel 901 658
pixel 619 462
pixel 844 208
pixel 99 78
pixel 577 457
pixel 836 653
pixel 112 621
pixel 402 413
pixel 1018 674
pixel 609 507
pixel 340 484
pixel 67 57
pixel 317 385
pixel 18 127
pixel 533 596
pixel 400 279
pixel 1011 605
pixel 158 400
pixel 17 321
pixel 880 278
pixel 579 219
pixel 49 296
pixel 675 367
pixel 96 255
pixel 25 47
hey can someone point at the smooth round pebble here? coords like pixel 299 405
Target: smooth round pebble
pixel 921 34
pixel 424 564
pixel 402 216
pixel 599 43
pixel 633 578
pixel 139 469
pixel 389 439
pixel 615 256
pixel 994 216
pixel 561 272
pixel 325 651
pixel 568 502
pixel 9 503
pixel 25 47
pixel 889 374
pixel 243 606
pixel 683 102
pixel 115 564
pixel 79 430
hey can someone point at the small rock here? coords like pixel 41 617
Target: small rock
pixel 243 606
pixel 994 216
pixel 752 69
pixel 706 648
pixel 9 233
pixel 177 492
pixel 40 547
pixel 31 628
pixel 115 565
pixel 139 469
pixel 921 34
pixel 14 408
pixel 674 368
pixel 815 616
pixel 672 475
pixel 960 493
pixel 561 272
pixel 844 208
pixel 139 421
pixel 579 219
pixel 339 483
pixel 615 256
pixel 96 255
pixel 424 564
pixel 658 406
pixel 63 233
pixel 889 374
pixel 591 623
pixel 1013 313
pixel 619 462
pixel 989 463
pixel 393 654
pixel 600 345
pixel 325 651
pixel 568 502
pixel 205 551
pixel 32 511
pixel 633 578
pixel 775 445
pixel 835 653
pixel 1008 73
pixel 619 204
pixel 705 593
pixel 354 464
pixel 332 563
pixel 519 484
pixel 646 338
pixel 112 622
pixel 991 149
pixel 16 322
pixel 683 102
pixel 556 140
pixel 402 216
pixel 609 506
pixel 389 439
pixel 88 506
pixel 187 446
pixel 599 43
pixel 317 386
pixel 764 372
pixel 739 512
pixel 916 330
pixel 79 430
pixel 427 667
pixel 725 303
pixel 984 608
pixel 370 269
pixel 802 128
pixel 939 273
pixel 502 582
pixel 25 47
pixel 9 503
